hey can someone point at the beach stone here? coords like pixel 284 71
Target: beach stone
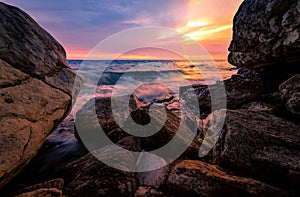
pixel 265 33
pixel 260 144
pixel 197 178
pixel 290 94
pixel 31 103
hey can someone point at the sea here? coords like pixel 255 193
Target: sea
pixel 148 79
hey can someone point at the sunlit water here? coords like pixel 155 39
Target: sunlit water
pixel 122 77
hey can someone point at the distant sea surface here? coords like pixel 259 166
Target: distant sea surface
pixel 120 76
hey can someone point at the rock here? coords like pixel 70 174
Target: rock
pixel 31 103
pixel 293 104
pixel 49 192
pixel 289 87
pixel 147 192
pixel 196 178
pixel 49 188
pixel 97 179
pixel 108 124
pixel 265 33
pixel 290 94
pixel 261 145
pixel 155 178
pixel 29 48
pixel 260 107
pixel 239 89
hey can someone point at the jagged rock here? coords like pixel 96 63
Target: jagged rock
pixel 290 94
pixel 261 145
pixel 31 104
pixel 196 178
pixel 265 33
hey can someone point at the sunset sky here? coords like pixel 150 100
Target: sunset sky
pixel 80 25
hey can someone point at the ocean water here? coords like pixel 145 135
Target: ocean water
pixel 148 79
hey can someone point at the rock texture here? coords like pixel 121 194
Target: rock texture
pixel 196 178
pixel 265 33
pixel 36 86
pixel 290 94
pixel 52 188
pixel 106 119
pixel 89 177
pixel 261 144
pixel 239 89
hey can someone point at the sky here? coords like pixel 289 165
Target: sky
pixel 80 25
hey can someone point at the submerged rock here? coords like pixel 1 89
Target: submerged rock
pixel 36 86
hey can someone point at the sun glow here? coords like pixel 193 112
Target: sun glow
pixel 208 22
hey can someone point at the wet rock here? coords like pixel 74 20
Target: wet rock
pixel 265 33
pixel 35 89
pixel 196 178
pixel 260 145
pixel 239 90
pixel 165 123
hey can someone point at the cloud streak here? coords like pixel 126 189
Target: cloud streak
pixel 81 25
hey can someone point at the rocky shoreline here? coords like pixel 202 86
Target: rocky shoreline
pixel 257 152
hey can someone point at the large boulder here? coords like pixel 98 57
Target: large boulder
pixel 196 178
pixel 36 85
pixel 261 145
pixel 265 33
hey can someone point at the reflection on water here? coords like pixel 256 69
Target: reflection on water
pixel 123 75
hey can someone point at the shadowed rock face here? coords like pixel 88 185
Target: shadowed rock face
pixel 261 144
pixel 196 178
pixel 290 93
pixel 36 86
pixel 265 33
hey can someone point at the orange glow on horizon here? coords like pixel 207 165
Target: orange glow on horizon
pixel 208 21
